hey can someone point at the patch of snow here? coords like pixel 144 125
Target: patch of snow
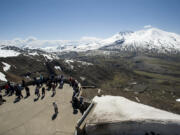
pixel 58 68
pixel 68 61
pixel 82 78
pixel 27 77
pixel 47 57
pixel 3 77
pixel 116 108
pixel 72 67
pixel 85 63
pixel 6 66
pixel 137 99
pixel 133 83
pixel 178 100
pixel 33 54
pixel 8 53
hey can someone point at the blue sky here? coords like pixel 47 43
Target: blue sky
pixel 73 19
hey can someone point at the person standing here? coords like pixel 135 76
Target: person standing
pixel 37 92
pixel 34 82
pixel 7 88
pixel 2 100
pixel 41 80
pixel 18 92
pixel 43 92
pixel 54 88
pixel 61 84
pixel 23 83
pixel 11 89
pixel 27 91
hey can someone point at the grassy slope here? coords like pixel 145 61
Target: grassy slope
pixel 155 81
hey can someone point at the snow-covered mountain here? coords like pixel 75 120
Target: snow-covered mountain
pixel 149 40
pixel 152 39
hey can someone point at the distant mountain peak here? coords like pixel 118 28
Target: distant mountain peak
pixel 123 33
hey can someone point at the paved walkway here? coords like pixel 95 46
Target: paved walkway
pixel 35 118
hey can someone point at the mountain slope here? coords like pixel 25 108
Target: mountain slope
pixel 152 39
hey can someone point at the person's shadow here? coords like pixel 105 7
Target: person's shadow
pixel 36 99
pixel 17 100
pixel 42 97
pixel 26 97
pixel 75 111
pixel 54 116
pixel 53 94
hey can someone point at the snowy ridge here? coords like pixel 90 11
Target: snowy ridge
pixel 142 40
pixel 8 53
pixel 152 38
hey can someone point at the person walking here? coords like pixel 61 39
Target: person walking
pixel 61 84
pixel 37 92
pixel 43 92
pixel 27 91
pixel 53 89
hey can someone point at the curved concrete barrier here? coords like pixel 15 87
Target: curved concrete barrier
pixel 149 127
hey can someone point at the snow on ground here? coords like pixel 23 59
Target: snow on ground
pixel 178 100
pixel 116 108
pixel 3 77
pixel 58 68
pixel 72 67
pixel 82 62
pixel 8 53
pixel 48 57
pixel 68 61
pixel 6 66
pixel 85 63
pixel 33 54
pixel 82 78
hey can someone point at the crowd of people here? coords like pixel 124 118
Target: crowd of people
pixel 77 100
pixel 51 84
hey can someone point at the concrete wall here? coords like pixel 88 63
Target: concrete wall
pixel 148 127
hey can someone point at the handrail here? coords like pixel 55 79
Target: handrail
pixel 88 87
pixel 80 121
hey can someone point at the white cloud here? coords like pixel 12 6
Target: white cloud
pixel 147 26
pixel 30 39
